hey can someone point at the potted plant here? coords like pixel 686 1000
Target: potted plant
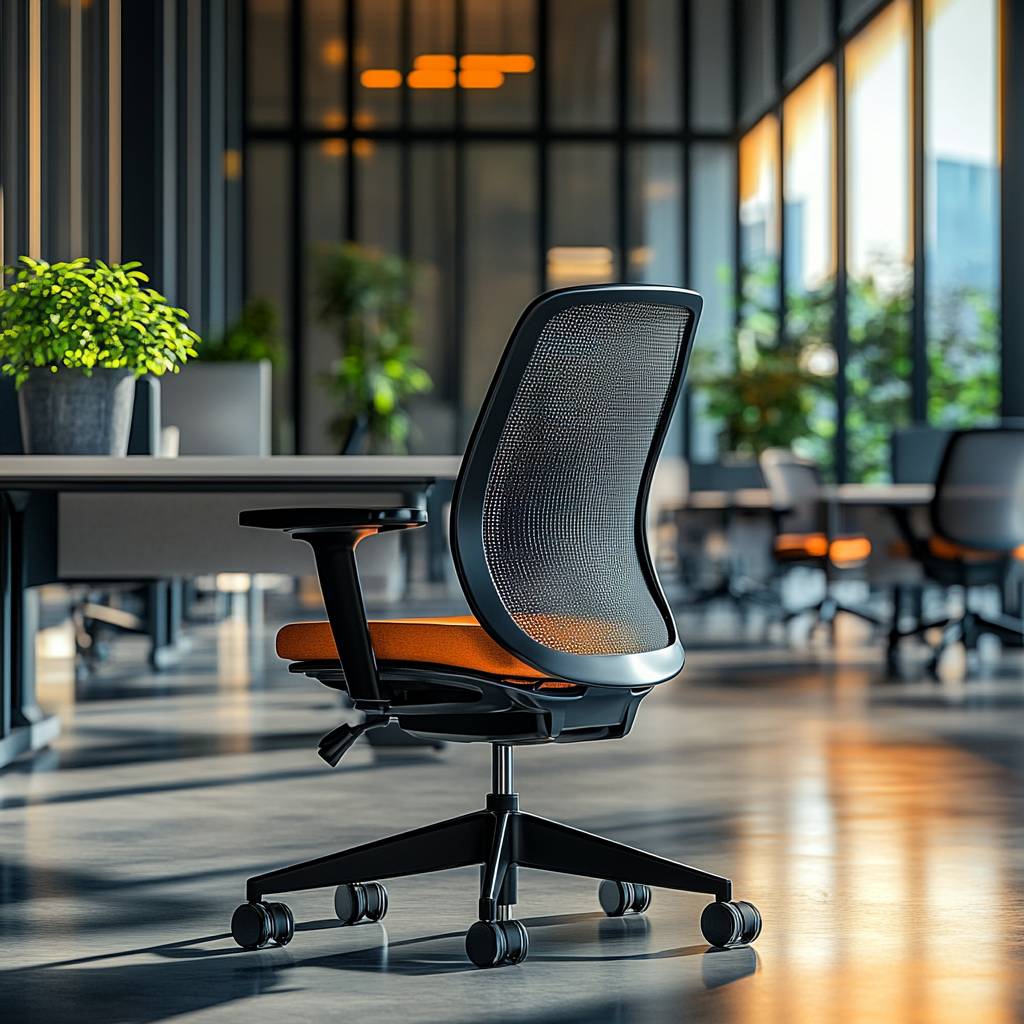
pixel 364 295
pixel 74 336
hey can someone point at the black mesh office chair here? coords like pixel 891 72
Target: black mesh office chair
pixel 570 628
pixel 803 533
pixel 977 521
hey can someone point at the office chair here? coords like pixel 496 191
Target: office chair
pixel 977 523
pixel 570 628
pixel 915 454
pixel 803 535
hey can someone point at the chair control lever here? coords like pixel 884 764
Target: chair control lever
pixel 335 745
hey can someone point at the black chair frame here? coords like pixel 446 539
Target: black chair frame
pixel 969 625
pixel 438 702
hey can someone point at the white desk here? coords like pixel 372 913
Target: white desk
pixel 758 499
pixel 94 518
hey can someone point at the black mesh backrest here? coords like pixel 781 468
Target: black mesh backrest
pixel 549 512
pixel 979 493
pixel 795 488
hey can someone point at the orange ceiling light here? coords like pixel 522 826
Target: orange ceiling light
pixel 507 63
pixel 333 148
pixel 481 78
pixel 333 119
pixel 381 78
pixel 431 78
pixel 333 53
pixel 434 62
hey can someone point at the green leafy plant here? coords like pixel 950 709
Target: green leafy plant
pixel 83 315
pixel 767 388
pixel 963 358
pixel 364 295
pixel 878 367
pixel 761 386
pixel 253 336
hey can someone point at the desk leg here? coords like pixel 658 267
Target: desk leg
pixel 23 726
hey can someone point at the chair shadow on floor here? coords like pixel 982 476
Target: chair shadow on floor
pixel 208 971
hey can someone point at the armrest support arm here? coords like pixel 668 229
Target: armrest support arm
pixel 333 534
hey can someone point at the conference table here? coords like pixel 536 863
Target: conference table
pixel 74 518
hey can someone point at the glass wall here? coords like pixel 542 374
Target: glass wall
pixel 879 238
pixel 809 213
pixel 550 151
pixel 887 266
pixel 962 210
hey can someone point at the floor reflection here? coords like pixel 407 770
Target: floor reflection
pixel 877 825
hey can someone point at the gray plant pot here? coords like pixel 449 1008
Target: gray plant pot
pixel 68 413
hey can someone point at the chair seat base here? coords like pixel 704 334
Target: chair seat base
pixel 436 704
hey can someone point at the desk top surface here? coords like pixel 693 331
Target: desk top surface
pixel 865 495
pixel 220 472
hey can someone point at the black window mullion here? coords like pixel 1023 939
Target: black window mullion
pixel 298 241
pixel 918 332
pixel 622 184
pixel 840 326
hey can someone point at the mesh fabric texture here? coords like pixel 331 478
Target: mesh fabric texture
pixel 560 515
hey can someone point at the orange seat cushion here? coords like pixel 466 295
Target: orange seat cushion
pixel 942 548
pixel 841 551
pixel 456 642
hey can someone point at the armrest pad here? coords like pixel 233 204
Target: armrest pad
pixel 327 520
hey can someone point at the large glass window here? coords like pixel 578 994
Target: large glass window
pixel 583 79
pixel 655 214
pixel 325 65
pixel 655 35
pixel 499 93
pixel 962 210
pixel 758 361
pixel 268 254
pixel 808 145
pixel 712 273
pixel 267 62
pixel 324 167
pixel 879 252
pixel 500 258
pixel 581 214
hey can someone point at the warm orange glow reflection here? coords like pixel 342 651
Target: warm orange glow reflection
pixel 232 164
pixel 333 119
pixel 484 78
pixel 759 175
pixel 435 62
pixel 430 78
pixel 580 264
pixel 509 63
pixel 333 53
pixel 380 78
pixel 333 147
pixel 896 843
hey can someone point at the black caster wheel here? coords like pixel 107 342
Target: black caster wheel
pixel 618 898
pixel 730 923
pixel 360 901
pixel 494 943
pixel 254 925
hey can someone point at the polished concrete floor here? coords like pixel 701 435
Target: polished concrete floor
pixel 878 825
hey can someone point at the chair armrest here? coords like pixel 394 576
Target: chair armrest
pixel 333 534
pixel 292 520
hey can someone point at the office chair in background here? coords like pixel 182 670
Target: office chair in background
pixel 977 522
pixel 570 628
pixel 803 534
